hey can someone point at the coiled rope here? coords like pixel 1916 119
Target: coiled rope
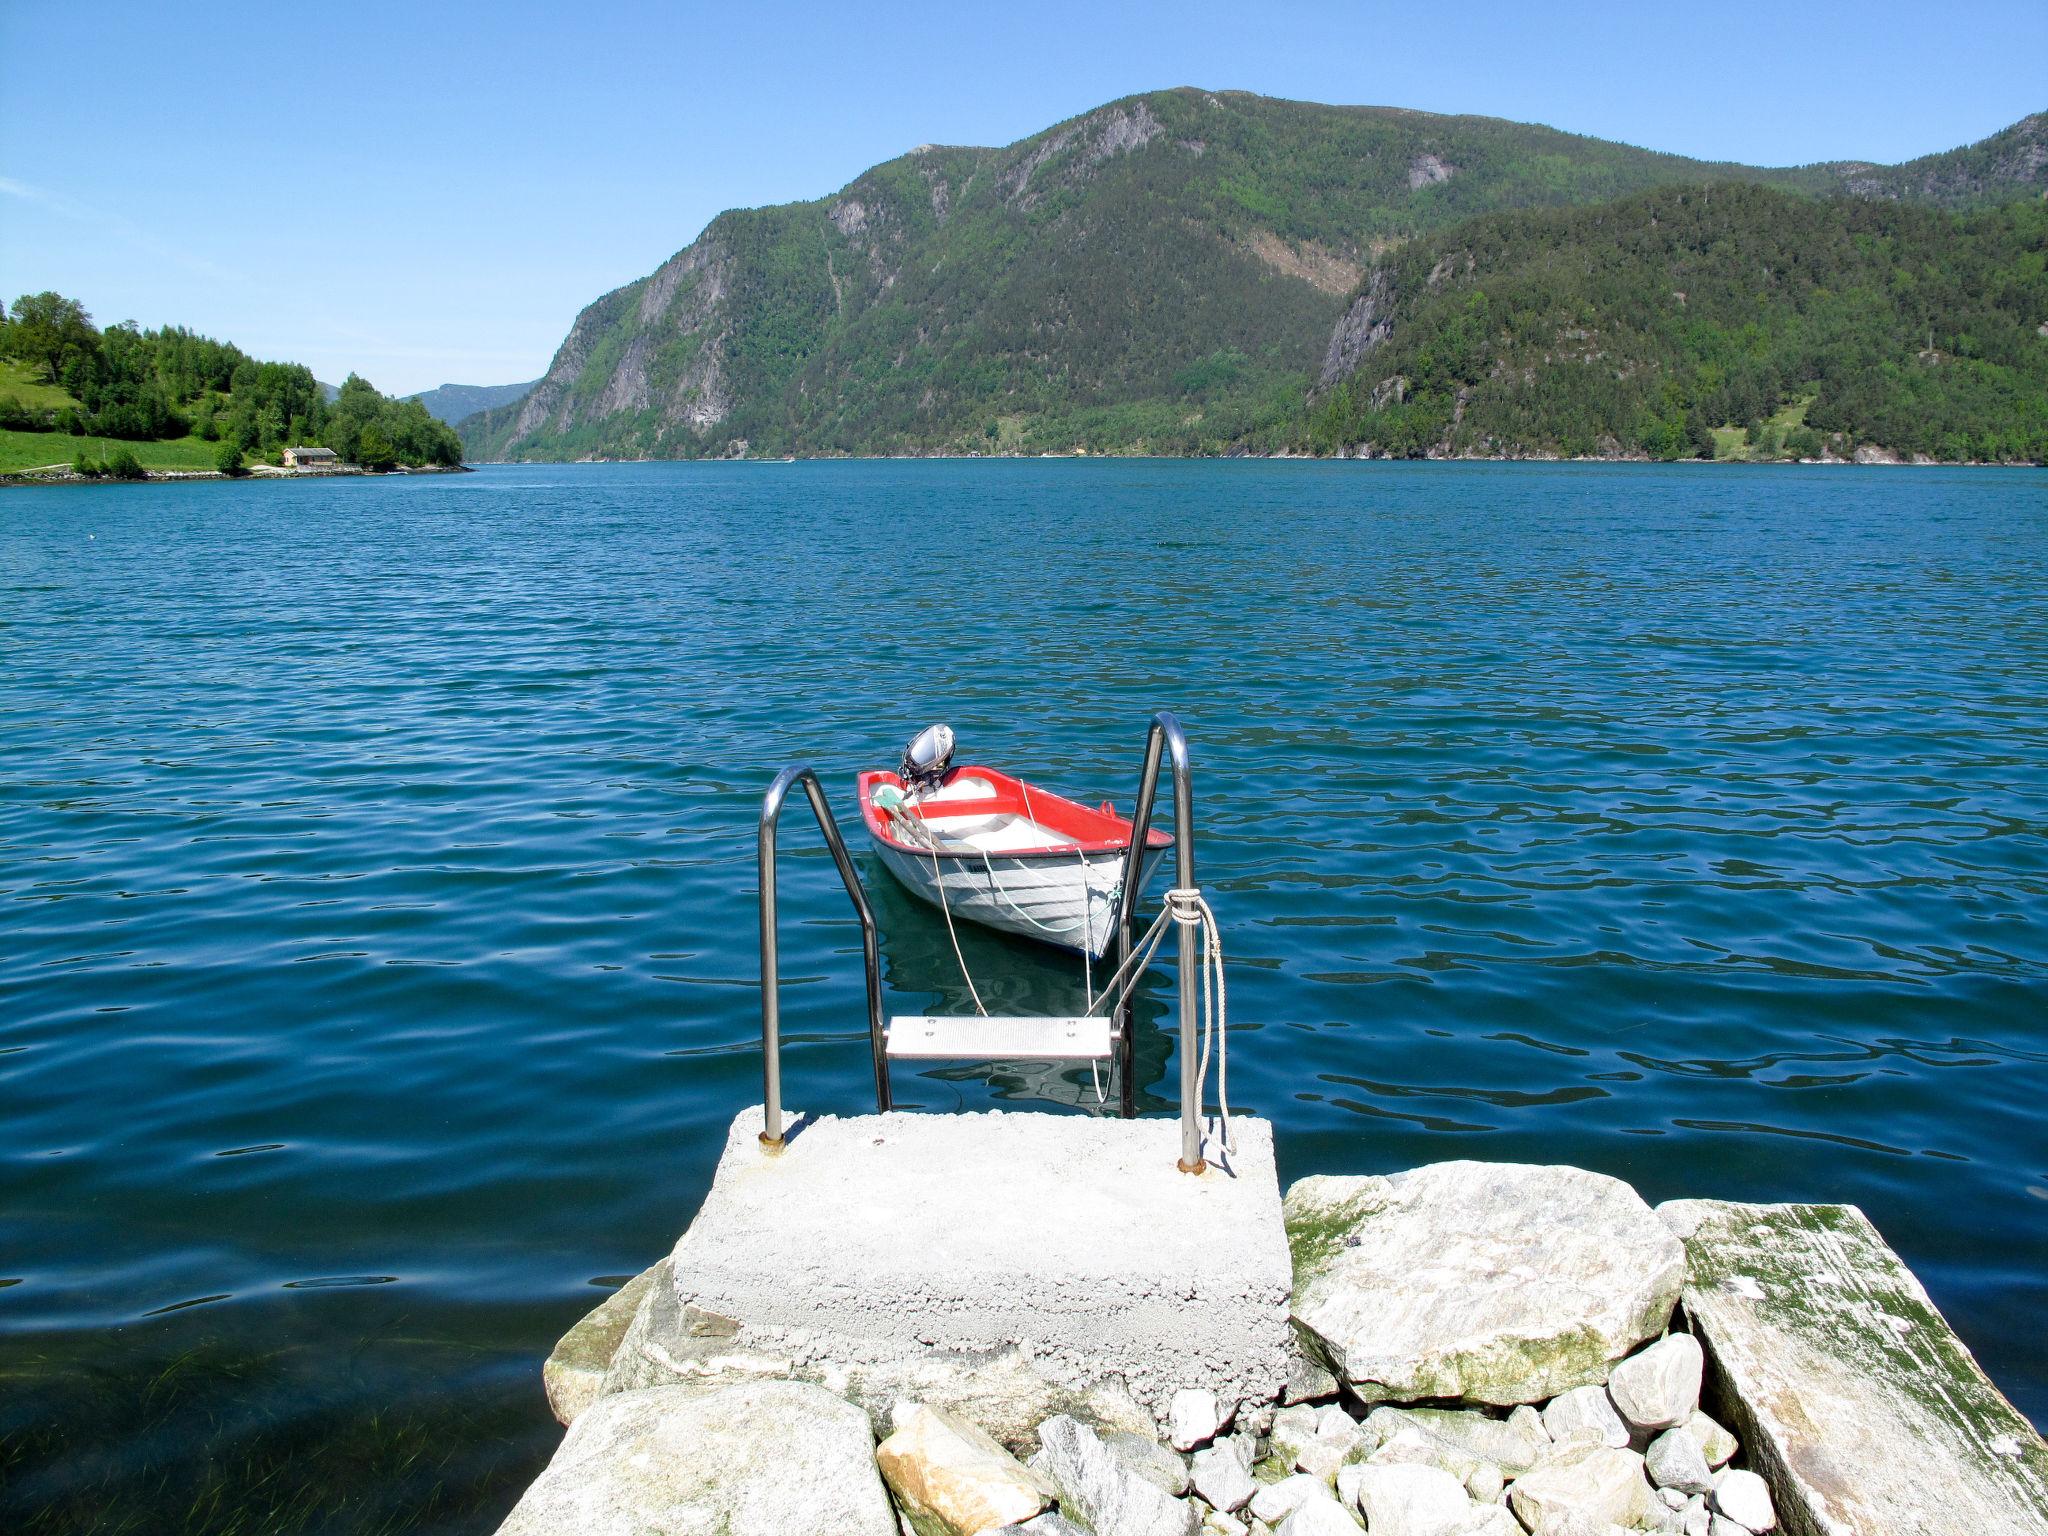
pixel 1186 906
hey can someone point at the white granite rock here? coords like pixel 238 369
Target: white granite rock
pixel 1600 1484
pixel 1101 1488
pixel 1844 1382
pixel 1585 1408
pixel 1050 1523
pixel 1149 1459
pixel 1695 1518
pixel 1411 1445
pixel 1307 1381
pixel 1318 1517
pixel 1217 1523
pixel 1484 1484
pixel 1716 1444
pixel 1195 1417
pixel 1674 1462
pixel 1293 1428
pixel 779 1458
pixel 947 1471
pixel 575 1371
pixel 1411 1500
pixel 1721 1525
pixel 1512 1444
pixel 1220 1476
pixel 1337 1441
pixel 1492 1282
pixel 1274 1502
pixel 1744 1498
pixel 1660 1386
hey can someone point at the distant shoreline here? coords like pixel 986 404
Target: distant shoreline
pixel 65 475
pixel 1873 460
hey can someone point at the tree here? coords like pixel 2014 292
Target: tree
pixel 123 465
pixel 228 458
pixel 47 329
pixel 374 450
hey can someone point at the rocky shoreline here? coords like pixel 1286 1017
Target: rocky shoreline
pixel 65 475
pixel 1468 1349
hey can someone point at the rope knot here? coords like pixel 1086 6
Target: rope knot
pixel 1186 905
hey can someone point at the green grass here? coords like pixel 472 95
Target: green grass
pixel 34 450
pixel 24 383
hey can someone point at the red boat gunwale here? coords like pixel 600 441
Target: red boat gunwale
pixel 1092 831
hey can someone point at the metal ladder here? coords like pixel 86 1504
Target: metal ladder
pixel 926 1037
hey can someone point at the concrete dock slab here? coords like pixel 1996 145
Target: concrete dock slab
pixel 1075 1242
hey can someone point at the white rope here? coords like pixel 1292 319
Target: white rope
pixel 1185 905
pixel 1191 910
pixel 930 844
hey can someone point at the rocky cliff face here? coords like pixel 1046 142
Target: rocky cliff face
pixel 1163 272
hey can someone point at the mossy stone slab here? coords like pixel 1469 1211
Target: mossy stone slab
pixel 1850 1392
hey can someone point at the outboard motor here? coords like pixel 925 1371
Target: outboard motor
pixel 926 759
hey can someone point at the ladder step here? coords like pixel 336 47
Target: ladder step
pixel 930 1037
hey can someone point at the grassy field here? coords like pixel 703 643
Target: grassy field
pixel 33 450
pixel 21 381
pixel 1734 443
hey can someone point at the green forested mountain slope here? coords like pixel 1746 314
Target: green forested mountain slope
pixel 452 402
pixel 1162 273
pixel 1807 325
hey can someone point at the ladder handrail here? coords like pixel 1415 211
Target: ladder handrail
pixel 771 980
pixel 1164 738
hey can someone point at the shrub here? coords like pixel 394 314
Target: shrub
pixel 84 464
pixel 123 465
pixel 228 458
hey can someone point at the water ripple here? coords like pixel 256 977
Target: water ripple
pixel 376 929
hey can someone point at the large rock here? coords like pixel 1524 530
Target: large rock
pixel 1492 1282
pixel 764 1459
pixel 1851 1394
pixel 1584 1411
pixel 1660 1386
pixel 1675 1461
pixel 1149 1459
pixel 1100 1489
pixel 1318 1517
pixel 951 1477
pixel 1274 1502
pixel 1194 1417
pixel 1600 1485
pixel 1408 1500
pixel 1221 1477
pixel 1744 1498
pixel 1513 1444
pixel 574 1374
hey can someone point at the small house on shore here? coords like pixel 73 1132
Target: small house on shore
pixel 311 458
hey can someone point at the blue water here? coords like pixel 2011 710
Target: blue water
pixel 377 960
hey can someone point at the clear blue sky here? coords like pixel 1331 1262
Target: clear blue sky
pixel 429 192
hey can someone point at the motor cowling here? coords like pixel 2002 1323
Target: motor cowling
pixel 927 759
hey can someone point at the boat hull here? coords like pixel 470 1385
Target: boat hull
pixel 994 850
pixel 1067 900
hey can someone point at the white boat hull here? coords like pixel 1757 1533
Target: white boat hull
pixel 1068 899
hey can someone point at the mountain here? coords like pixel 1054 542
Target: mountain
pixel 452 402
pixel 1701 322
pixel 1161 273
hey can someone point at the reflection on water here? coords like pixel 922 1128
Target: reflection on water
pixel 376 909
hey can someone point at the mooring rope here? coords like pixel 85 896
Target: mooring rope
pixel 1186 906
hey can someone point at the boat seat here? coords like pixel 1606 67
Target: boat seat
pixel 967 786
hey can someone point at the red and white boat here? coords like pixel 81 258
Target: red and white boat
pixel 991 848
